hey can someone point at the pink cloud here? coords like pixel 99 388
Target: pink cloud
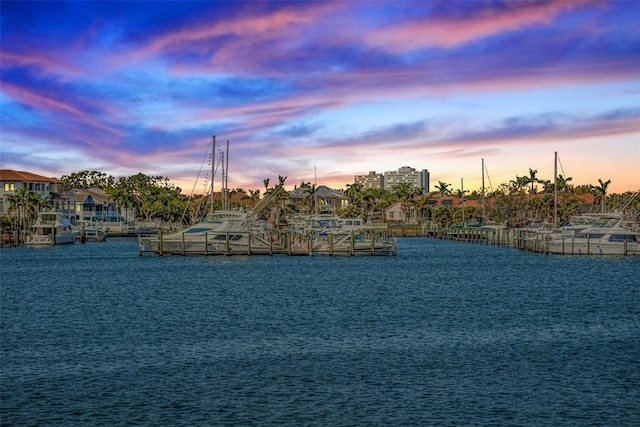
pixel 245 29
pixel 448 32
pixel 46 103
pixel 45 63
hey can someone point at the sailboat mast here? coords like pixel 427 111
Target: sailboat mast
pixel 555 190
pixel 226 178
pixel 462 194
pixel 223 193
pixel 315 192
pixel 484 216
pixel 213 164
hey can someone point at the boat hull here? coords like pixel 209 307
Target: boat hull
pixel 50 239
pixel 221 244
pixel 582 247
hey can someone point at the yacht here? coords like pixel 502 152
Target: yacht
pixel 591 239
pixel 222 232
pixel 51 228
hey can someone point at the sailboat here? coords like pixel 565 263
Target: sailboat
pixel 586 234
pixel 221 232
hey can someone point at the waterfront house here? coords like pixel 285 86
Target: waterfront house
pixel 48 188
pixel 93 205
pixel 394 213
pixel 329 200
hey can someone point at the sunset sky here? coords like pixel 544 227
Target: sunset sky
pixel 333 89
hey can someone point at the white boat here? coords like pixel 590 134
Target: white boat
pixel 51 228
pixel 89 230
pixel 223 232
pixel 589 240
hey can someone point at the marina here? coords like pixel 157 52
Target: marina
pixel 248 232
pixel 227 238
pixel 592 241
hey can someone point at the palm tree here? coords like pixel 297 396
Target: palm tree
pixel 17 203
pixel 308 200
pixel 601 193
pixel 280 195
pixel 422 205
pixel 563 183
pixel 122 196
pixel 350 211
pixel 461 193
pixel 27 204
pixel 404 191
pixel 35 203
pixel 547 185
pixel 353 193
pixel 443 188
pixel 531 179
pixel 373 199
pixel 519 183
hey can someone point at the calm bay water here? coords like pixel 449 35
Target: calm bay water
pixel 445 333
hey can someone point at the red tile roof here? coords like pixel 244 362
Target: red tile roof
pixel 11 175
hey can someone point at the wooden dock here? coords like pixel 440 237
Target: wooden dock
pixel 518 238
pixel 285 242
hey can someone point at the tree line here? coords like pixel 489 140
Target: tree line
pixel 527 197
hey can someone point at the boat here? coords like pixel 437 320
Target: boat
pixel 589 239
pixel 222 232
pixel 89 230
pixel 51 228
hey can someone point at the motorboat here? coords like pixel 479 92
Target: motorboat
pixel 222 232
pixel 594 239
pixel 92 231
pixel 51 228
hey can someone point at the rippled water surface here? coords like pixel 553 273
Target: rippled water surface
pixel 445 333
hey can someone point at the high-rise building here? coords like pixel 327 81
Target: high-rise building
pixel 420 179
pixel 372 180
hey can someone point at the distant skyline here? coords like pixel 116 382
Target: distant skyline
pixel 326 89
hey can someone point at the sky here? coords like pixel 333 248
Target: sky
pixel 321 91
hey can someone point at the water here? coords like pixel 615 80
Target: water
pixel 445 333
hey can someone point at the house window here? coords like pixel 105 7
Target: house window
pixel 9 186
pixel 391 214
pixel 37 187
